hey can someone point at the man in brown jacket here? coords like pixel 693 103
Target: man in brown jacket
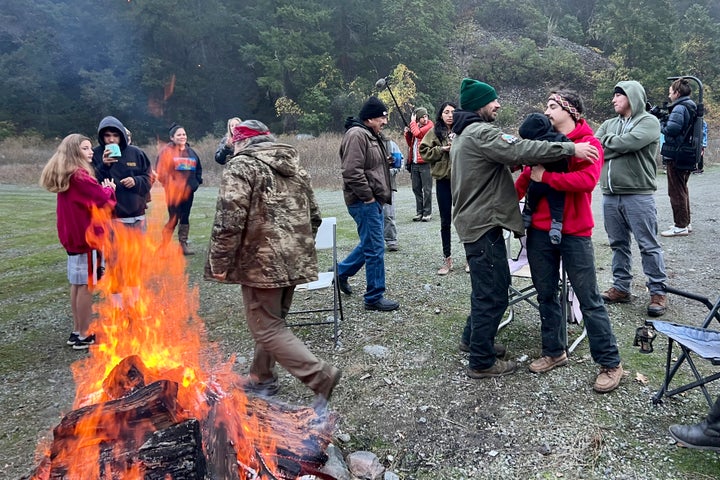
pixel 366 188
pixel 263 238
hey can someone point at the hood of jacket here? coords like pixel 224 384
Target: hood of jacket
pixel 281 157
pixel 113 122
pixel 463 118
pixel 636 96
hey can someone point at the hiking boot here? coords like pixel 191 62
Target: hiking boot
pixel 676 232
pixel 657 306
pixel 84 343
pixel 613 295
pixel 266 388
pixel 499 368
pixel 322 397
pixel 500 349
pixel 545 364
pixel 446 266
pixel 344 285
pixel 383 305
pixel 417 217
pixel 696 436
pixel 73 338
pixel 608 379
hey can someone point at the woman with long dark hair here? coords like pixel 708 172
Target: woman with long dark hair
pixel 435 149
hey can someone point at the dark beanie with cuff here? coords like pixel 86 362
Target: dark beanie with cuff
pixel 373 108
pixel 475 94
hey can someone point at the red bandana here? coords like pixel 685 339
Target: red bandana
pixel 241 133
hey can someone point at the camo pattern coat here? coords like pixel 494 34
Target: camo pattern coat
pixel 266 220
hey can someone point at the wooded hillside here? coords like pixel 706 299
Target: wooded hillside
pixel 304 65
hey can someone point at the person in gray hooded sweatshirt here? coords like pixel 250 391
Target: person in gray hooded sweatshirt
pixel 628 184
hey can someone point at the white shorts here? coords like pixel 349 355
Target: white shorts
pixel 85 268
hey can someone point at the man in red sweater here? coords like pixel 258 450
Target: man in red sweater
pixel 564 109
pixel 420 124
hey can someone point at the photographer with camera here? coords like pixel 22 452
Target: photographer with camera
pixel 675 122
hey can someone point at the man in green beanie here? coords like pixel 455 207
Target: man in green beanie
pixel 485 203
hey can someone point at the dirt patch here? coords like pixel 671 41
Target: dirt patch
pixel 414 407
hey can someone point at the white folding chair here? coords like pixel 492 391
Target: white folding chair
pixel 519 268
pixel 325 239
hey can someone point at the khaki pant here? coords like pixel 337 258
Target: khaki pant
pixel 265 311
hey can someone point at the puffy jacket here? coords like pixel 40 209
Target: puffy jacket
pixel 675 128
pixel 364 163
pixel 630 145
pixel 265 221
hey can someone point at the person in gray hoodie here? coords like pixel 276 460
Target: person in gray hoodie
pixel 628 184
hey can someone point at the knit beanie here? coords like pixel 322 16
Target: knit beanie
pixel 373 108
pixel 420 112
pixel 475 94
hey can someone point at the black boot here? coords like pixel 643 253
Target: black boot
pixel 704 435
pixel 183 231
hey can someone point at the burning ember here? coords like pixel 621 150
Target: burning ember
pixel 155 399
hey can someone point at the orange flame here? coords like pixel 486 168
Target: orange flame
pixel 147 310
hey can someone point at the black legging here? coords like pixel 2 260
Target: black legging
pixel 180 213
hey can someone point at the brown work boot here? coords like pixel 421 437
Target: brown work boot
pixel 499 368
pixel 657 306
pixel 545 363
pixel 613 295
pixel 608 379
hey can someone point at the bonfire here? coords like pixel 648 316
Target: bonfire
pixel 154 398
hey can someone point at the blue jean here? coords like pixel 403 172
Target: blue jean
pixel 370 252
pixel 636 214
pixel 578 259
pixel 422 188
pixel 444 199
pixel 490 280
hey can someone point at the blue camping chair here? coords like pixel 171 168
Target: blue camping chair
pixel 693 341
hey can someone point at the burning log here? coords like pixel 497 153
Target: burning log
pixel 145 435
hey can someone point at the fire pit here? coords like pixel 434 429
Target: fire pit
pixel 155 400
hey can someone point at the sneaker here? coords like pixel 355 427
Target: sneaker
pixel 676 232
pixel 84 343
pixel 613 295
pixel 545 364
pixel 446 267
pixel 608 379
pixel 467 268
pixel 344 285
pixel 426 218
pixel 393 248
pixel 499 368
pixel 689 227
pixel 657 306
pixel 417 217
pixel 383 305
pixel 267 388
pixel 500 349
pixel 73 338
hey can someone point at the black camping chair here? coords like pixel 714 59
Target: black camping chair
pixel 694 342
